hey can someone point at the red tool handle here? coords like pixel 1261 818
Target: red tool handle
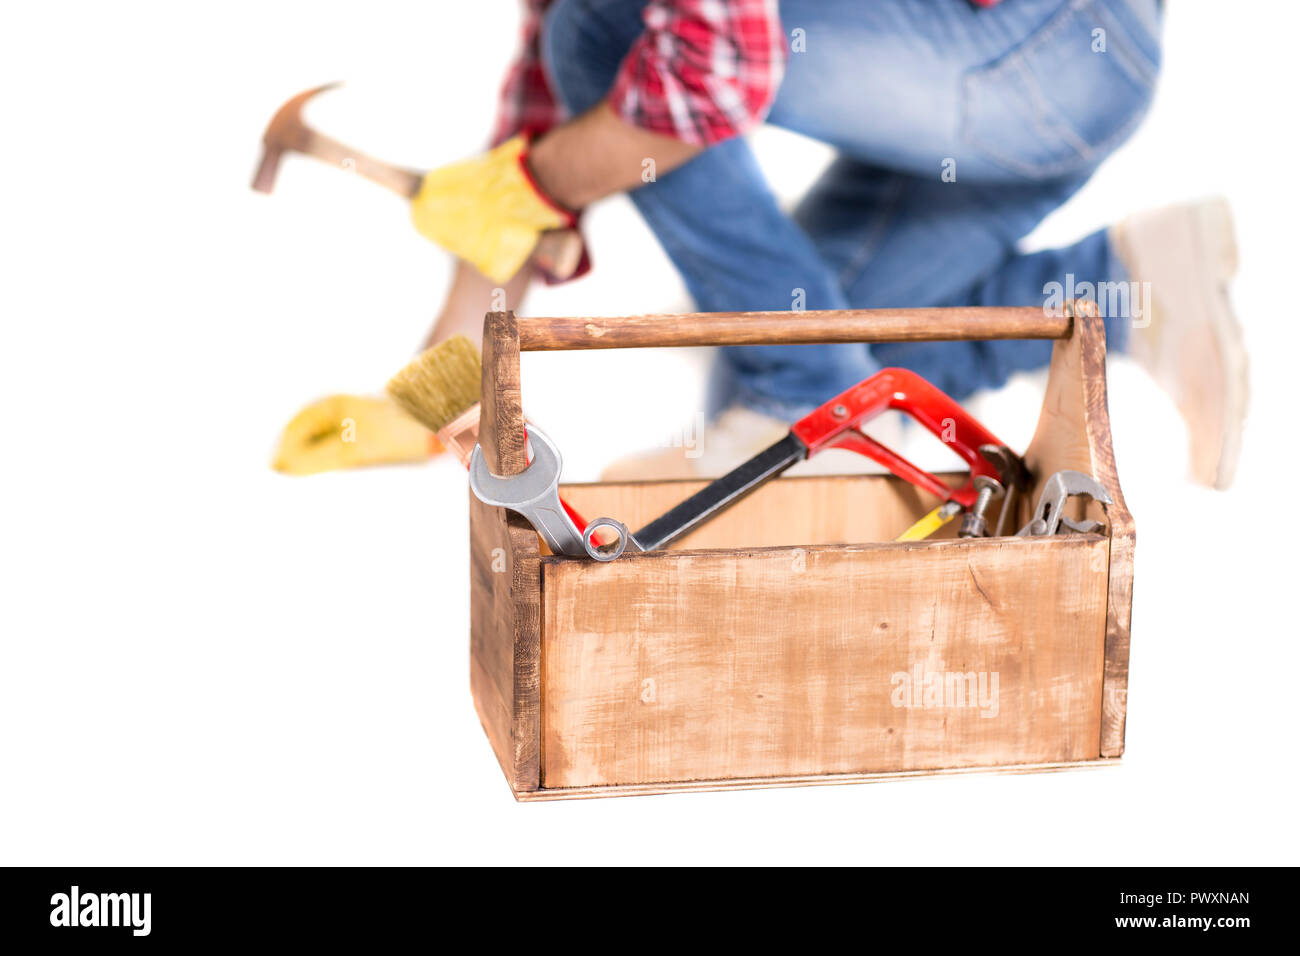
pixel 576 518
pixel 836 423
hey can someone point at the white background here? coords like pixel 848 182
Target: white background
pixel 207 662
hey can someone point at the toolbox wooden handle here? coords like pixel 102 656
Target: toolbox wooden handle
pixel 790 328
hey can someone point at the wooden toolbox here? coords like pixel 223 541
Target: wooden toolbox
pixel 790 640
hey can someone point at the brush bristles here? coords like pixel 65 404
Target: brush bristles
pixel 440 384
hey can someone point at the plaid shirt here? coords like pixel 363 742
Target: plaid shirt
pixel 703 71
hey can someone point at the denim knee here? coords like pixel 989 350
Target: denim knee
pixel 583 43
pixel 1065 98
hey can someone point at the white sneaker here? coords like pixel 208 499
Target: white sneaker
pixel 1193 344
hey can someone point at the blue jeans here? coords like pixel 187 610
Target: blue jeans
pixel 957 130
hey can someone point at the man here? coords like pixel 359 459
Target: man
pixel 958 128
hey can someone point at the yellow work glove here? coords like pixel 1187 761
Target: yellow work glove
pixel 348 431
pixel 487 210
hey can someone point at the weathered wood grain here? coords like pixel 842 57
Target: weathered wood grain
pixel 785 661
pixel 501 419
pixel 505 577
pixel 772 328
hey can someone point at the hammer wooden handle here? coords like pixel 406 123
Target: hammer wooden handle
pixel 790 328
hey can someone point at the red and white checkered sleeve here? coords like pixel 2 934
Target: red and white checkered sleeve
pixel 704 70
pixel 526 100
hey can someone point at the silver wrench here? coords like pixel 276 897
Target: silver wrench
pixel 1062 486
pixel 534 493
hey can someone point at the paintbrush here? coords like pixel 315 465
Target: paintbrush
pixel 440 389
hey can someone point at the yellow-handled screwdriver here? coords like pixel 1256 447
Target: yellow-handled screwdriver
pixel 932 522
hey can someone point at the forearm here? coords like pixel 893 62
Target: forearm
pixel 471 296
pixel 597 154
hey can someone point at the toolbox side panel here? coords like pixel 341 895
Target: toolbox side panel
pixel 505 583
pixel 781 662
pixel 1074 432
pixel 505 575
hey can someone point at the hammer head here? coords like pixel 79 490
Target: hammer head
pixel 286 127
pixel 535 484
pixel 285 133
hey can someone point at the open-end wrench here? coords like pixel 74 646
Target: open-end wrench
pixel 836 424
pixel 1060 487
pixel 534 493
